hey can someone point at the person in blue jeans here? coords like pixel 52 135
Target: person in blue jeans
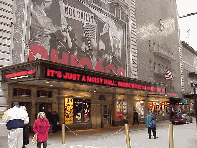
pixel 151 124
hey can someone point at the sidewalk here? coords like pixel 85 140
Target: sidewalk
pixel 90 134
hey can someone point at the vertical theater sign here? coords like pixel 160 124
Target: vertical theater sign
pixel 79 33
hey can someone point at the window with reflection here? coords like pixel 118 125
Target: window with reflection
pixel 22 92
pixel 43 93
pixel 86 110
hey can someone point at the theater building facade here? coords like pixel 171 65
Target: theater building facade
pixel 80 59
pixel 83 98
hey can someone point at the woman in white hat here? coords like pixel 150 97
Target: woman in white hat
pixel 41 128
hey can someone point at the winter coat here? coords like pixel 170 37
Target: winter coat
pixel 15 118
pixel 135 115
pixel 26 134
pixel 41 128
pixel 55 118
pixel 149 117
pixel 49 117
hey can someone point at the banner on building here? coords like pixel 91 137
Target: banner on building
pixel 79 34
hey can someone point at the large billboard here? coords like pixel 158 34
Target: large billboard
pixel 79 34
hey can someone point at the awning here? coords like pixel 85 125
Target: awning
pixel 184 101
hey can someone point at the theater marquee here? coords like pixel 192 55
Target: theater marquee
pixel 93 79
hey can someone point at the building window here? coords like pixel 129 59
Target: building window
pixel 150 64
pixel 154 47
pixel 77 110
pixel 155 67
pixel 42 93
pixel 102 97
pixel 159 70
pixel 22 92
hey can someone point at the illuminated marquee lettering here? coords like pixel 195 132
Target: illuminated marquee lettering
pixel 22 73
pixel 94 80
pixel 170 94
pixel 124 84
pixel 97 80
pixel 50 72
pixel 71 76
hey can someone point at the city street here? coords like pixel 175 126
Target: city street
pixel 184 137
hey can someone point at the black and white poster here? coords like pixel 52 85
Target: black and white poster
pixel 77 33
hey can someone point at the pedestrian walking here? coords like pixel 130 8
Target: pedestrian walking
pixel 41 128
pixel 135 117
pixel 25 132
pixel 55 121
pixel 50 118
pixel 151 124
pixel 15 118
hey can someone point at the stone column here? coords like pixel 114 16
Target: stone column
pixel 131 107
pixel 61 110
pixel 95 111
pixel 33 109
pixel 146 107
pixel 55 100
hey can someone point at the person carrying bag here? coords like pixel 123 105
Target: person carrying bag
pixel 33 142
pixel 151 124
pixel 41 128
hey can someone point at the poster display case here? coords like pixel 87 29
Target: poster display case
pixel 140 108
pixel 121 110
pixel 77 110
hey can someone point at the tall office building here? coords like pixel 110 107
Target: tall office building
pixel 6 38
pixel 6 27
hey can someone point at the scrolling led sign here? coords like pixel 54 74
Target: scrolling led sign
pixel 19 75
pixel 69 76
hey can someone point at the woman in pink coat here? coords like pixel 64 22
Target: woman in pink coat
pixel 41 128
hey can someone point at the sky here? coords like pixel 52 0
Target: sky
pixel 185 7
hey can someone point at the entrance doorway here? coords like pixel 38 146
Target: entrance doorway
pixel 43 107
pixel 106 116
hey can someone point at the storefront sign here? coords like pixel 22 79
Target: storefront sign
pixel 170 94
pixel 20 75
pixel 69 76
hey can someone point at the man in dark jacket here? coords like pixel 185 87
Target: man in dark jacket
pixel 55 120
pixel 50 118
pixel 135 117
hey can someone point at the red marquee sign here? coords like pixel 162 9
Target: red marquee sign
pixel 18 74
pixel 63 75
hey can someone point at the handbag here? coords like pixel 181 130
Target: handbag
pixel 34 139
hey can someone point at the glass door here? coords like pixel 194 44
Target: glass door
pixel 106 115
